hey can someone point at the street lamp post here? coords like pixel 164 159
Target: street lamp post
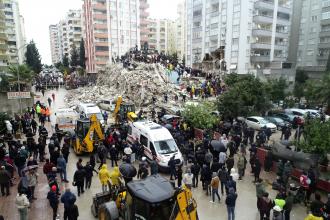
pixel 18 77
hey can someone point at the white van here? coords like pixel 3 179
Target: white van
pixel 107 104
pixel 66 118
pixel 88 109
pixel 157 141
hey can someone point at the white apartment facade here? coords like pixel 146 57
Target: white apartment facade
pixel 55 43
pixel 181 31
pixel 249 30
pixel 15 32
pixel 65 35
pixel 162 35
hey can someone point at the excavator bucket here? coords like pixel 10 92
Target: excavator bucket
pixel 185 207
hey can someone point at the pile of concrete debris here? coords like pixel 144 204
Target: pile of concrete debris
pixel 139 86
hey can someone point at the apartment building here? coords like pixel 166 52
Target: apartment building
pixel 65 35
pixel 254 33
pixel 181 31
pixel 112 27
pixel 3 39
pixel 15 32
pixel 312 36
pixel 55 43
pixel 144 14
pixel 162 35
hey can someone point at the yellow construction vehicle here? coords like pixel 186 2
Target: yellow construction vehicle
pixel 148 199
pixel 88 132
pixel 124 111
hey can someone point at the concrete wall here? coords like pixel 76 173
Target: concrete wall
pixel 13 105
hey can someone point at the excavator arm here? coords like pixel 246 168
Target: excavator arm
pixel 117 108
pixel 185 207
pixel 95 128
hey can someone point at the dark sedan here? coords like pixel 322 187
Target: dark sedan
pixel 279 122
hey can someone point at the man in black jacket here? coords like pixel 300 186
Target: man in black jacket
pixel 4 181
pixel 78 178
pixel 53 200
pixel 195 169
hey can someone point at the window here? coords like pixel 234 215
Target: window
pixel 235 41
pixel 101 48
pixel 313 30
pixel 236 15
pixel 152 148
pixel 311 41
pixel 143 140
pixel 314 18
pixel 310 52
pixel 166 146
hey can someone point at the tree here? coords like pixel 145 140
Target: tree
pixel 246 95
pixel 299 86
pixel 199 116
pixel 316 137
pixel 65 61
pixel 276 89
pixel 23 72
pixel 32 56
pixel 74 59
pixel 82 57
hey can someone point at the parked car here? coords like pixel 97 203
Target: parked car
pixel 279 122
pixel 296 111
pixel 285 116
pixel 257 123
pixel 168 119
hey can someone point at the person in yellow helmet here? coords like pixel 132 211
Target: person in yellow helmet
pixel 115 177
pixel 104 177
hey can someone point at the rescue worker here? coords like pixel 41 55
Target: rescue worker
pixel 115 177
pixel 104 177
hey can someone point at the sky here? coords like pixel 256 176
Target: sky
pixel 39 14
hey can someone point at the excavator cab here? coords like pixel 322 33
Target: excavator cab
pixel 149 199
pixel 88 132
pixel 127 112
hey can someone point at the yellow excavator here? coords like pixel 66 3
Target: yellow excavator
pixel 148 199
pixel 88 132
pixel 124 111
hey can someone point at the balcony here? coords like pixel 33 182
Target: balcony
pixel 259 59
pixel 100 26
pixel 282 21
pixel 264 46
pixel 261 19
pixel 101 35
pixel 100 16
pixel 262 4
pixel 281 35
pixel 324 45
pixel 284 9
pixel 262 32
pixel 325 33
pixel 99 6
pixel 281 47
pixel 324 57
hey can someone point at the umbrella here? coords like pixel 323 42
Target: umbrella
pixel 127 170
pixel 218 146
pixel 32 167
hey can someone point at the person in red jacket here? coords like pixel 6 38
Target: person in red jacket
pixel 304 183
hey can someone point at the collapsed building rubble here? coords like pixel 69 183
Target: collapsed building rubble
pixel 138 86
